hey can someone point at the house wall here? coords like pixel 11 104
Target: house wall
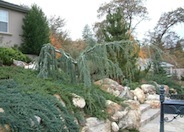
pixel 14 29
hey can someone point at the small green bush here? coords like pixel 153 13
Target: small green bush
pixel 164 80
pixel 8 54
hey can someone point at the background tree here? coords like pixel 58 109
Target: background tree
pixel 74 48
pixel 163 30
pixel 88 36
pixel 177 53
pixel 115 28
pixel 58 35
pixel 130 14
pixel 133 11
pixel 166 39
pixel 35 31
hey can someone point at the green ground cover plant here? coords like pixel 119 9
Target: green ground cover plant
pixel 24 96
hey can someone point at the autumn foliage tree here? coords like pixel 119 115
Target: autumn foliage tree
pixel 166 39
pixel 55 41
pixel 58 35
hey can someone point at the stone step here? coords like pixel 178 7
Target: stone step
pixel 144 107
pixel 149 115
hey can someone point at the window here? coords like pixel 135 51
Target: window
pixel 3 21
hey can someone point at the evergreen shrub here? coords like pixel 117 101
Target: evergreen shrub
pixel 22 110
pixel 35 31
pixel 162 79
pixel 8 54
pixel 32 96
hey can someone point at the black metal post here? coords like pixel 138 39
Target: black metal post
pixel 162 98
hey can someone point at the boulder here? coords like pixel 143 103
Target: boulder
pixel 126 93
pixel 5 128
pixel 38 119
pixel 78 101
pixel 93 124
pixel 166 88
pixel 19 63
pixel 148 88
pixel 59 99
pixel 30 66
pixel 133 104
pixel 153 97
pixel 139 93
pixel 115 127
pixel 110 86
pixel 131 120
pixel 110 81
pixel 119 115
pixel 1 110
pixel 113 107
pixel 173 91
pixel 153 103
pixel 153 100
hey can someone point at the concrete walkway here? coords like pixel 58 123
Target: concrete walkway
pixel 176 125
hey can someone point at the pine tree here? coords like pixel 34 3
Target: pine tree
pixel 116 29
pixel 35 31
pixel 88 36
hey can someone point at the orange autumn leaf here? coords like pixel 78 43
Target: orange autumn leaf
pixel 56 43
pixel 142 53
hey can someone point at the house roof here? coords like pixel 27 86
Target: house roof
pixel 165 64
pixel 144 63
pixel 14 7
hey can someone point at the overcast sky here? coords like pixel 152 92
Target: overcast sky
pixel 78 13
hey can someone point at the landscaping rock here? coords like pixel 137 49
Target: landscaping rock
pixel 30 66
pixel 110 86
pixel 126 93
pixel 59 99
pixel 38 119
pixel 152 97
pixel 115 127
pixel 93 124
pixel 113 107
pixel 139 93
pixel 133 104
pixel 5 128
pixel 119 115
pixel 148 88
pixel 78 101
pixel 173 91
pixel 1 110
pixel 166 88
pixel 131 120
pixel 19 63
pixel 153 103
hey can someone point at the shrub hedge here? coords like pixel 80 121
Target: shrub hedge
pixel 8 54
